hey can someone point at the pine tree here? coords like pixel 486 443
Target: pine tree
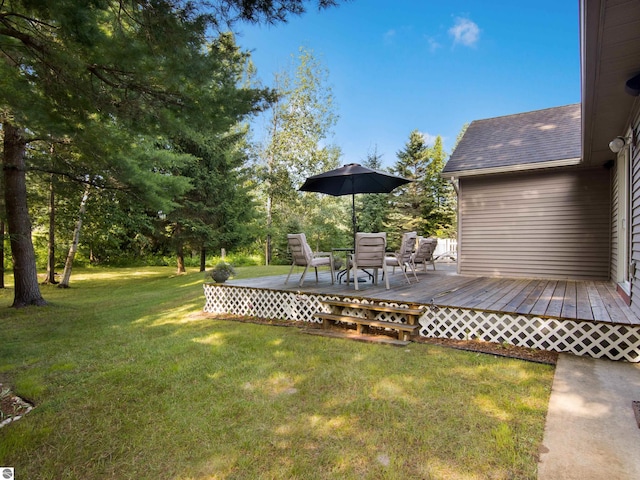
pixel 410 200
pixel 373 209
pixel 104 75
pixel 439 208
pixel 427 205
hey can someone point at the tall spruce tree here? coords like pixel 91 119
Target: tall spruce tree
pixel 215 212
pixel 373 209
pixel 439 208
pixel 427 205
pixel 410 200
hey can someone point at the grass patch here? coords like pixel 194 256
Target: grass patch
pixel 130 382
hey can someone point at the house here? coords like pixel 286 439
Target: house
pixel 551 195
pixel 543 194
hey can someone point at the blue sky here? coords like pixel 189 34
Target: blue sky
pixel 432 66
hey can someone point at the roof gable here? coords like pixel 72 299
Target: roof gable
pixel 514 142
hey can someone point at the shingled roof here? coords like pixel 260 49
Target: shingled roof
pixel 538 139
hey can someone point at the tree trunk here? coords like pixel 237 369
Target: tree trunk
pixel 267 251
pixel 203 259
pixel 180 259
pixel 51 261
pixel 1 254
pixel 27 290
pixel 179 250
pixel 66 276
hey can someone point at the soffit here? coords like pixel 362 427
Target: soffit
pixel 610 44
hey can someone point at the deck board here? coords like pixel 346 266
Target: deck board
pixel 610 304
pixel 554 309
pixel 631 318
pixel 570 303
pixel 513 298
pixel 597 305
pixel 532 297
pixel 541 305
pixel 576 300
pixel 583 307
pixel 465 294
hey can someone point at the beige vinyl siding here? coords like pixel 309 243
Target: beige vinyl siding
pixel 635 218
pixel 614 226
pixel 549 224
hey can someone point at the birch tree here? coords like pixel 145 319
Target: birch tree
pixel 298 145
pixel 73 248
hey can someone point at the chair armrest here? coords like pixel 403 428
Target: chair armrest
pixel 323 254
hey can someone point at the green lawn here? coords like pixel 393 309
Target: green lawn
pixel 130 382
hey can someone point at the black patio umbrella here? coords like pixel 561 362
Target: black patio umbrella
pixel 351 179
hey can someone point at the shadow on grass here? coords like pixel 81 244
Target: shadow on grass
pixel 135 383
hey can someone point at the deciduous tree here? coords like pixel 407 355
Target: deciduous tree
pixel 297 146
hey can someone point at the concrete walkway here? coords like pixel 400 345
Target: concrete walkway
pixel 591 431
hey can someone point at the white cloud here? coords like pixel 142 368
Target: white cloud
pixel 465 32
pixel 428 138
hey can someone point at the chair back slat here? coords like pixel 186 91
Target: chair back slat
pixel 407 246
pixel 425 250
pixel 300 251
pixel 370 248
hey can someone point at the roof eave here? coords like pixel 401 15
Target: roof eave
pixel 523 167
pixel 609 56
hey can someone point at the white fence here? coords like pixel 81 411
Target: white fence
pixel 447 249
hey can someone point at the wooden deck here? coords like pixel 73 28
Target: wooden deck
pixel 565 299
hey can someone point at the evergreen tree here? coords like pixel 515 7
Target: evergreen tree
pixel 215 212
pixel 439 208
pixel 373 209
pixel 96 71
pixel 427 205
pixel 410 200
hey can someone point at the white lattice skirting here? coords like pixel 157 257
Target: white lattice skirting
pixel 593 339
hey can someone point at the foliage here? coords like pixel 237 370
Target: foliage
pixel 410 199
pixel 117 82
pixel 440 208
pixel 296 147
pixel 216 212
pixel 373 209
pixel 222 270
pixel 237 400
pixel 224 267
pixel 427 204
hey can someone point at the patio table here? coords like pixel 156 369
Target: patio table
pixel 343 272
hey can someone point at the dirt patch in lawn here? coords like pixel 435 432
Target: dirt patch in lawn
pixel 499 349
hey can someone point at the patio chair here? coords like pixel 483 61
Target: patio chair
pixel 303 256
pixel 424 253
pixel 402 258
pixel 369 254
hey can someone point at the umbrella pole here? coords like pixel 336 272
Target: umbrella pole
pixel 353 218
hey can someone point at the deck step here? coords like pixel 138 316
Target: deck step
pixel 366 321
pixel 350 335
pixel 375 307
